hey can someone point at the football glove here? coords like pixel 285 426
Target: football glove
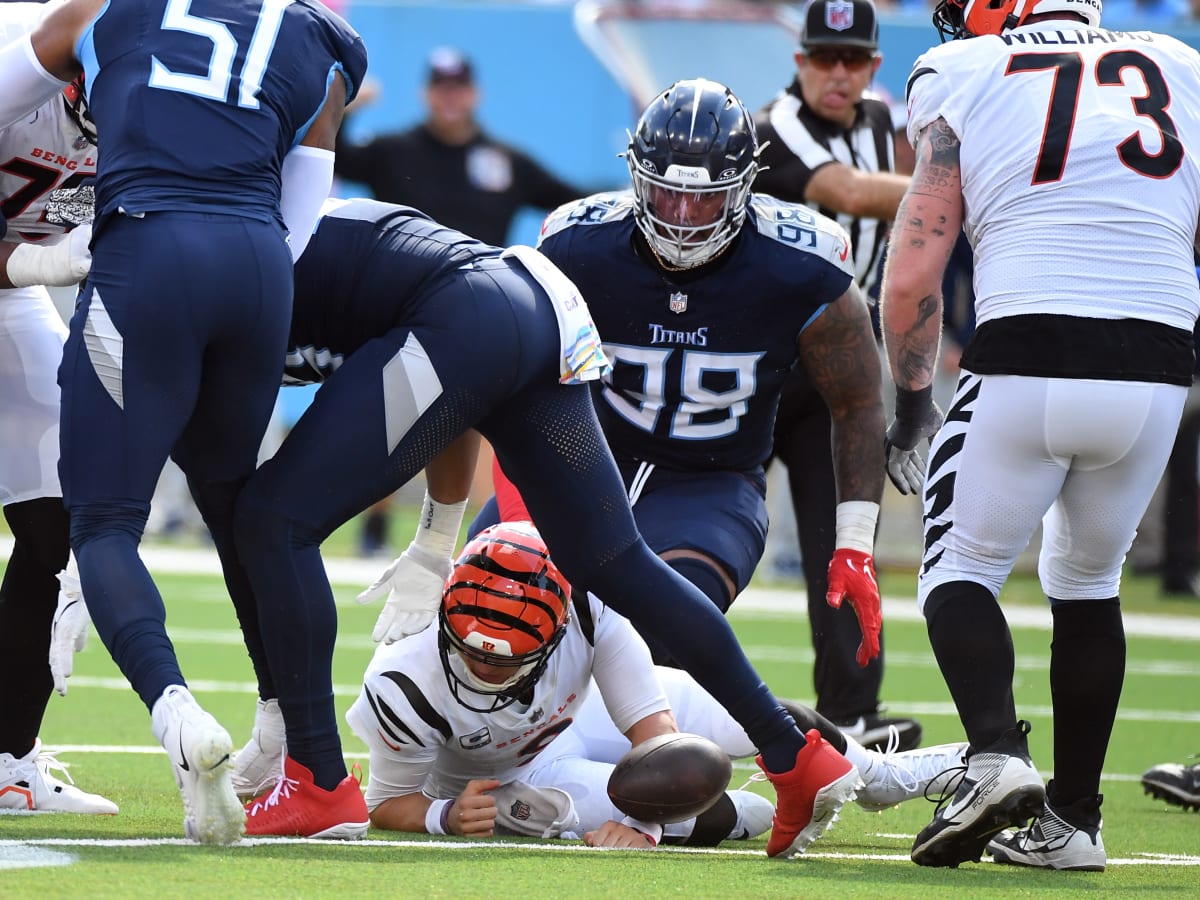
pixel 917 418
pixel 852 578
pixel 72 206
pixel 413 585
pixel 69 628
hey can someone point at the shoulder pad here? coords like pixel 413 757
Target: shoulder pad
pixel 795 225
pixel 593 210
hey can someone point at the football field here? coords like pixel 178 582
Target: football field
pixel 103 732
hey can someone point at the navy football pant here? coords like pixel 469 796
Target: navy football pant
pixel 175 349
pixel 393 405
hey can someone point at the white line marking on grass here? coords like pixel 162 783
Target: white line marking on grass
pixel 155 750
pixel 1147 859
pixel 18 855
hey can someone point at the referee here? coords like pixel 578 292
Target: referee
pixel 833 149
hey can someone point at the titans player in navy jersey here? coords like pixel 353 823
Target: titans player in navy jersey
pixel 703 321
pixel 218 120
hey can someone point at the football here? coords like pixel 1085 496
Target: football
pixel 669 778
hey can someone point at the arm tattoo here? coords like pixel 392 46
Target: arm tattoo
pixel 927 226
pixel 841 357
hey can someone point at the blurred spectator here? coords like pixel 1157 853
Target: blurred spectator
pixel 448 167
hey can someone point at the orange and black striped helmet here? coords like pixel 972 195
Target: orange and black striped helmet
pixel 505 605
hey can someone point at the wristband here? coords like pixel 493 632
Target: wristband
pixel 911 406
pixel 437 817
pixel 856 525
pixel 649 829
pixel 437 529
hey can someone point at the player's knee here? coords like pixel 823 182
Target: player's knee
pixel 261 525
pixel 106 519
pixel 705 575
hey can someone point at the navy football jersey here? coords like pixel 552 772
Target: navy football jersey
pixel 361 275
pixel 198 101
pixel 699 356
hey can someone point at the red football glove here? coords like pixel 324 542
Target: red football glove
pixel 852 578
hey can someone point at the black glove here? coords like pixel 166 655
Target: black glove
pixel 917 417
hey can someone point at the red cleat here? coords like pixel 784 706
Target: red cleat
pixel 808 798
pixel 297 807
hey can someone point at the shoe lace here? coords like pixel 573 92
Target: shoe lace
pixel 47 761
pixel 757 776
pixel 949 786
pixel 283 790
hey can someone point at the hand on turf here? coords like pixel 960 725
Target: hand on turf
pixel 905 465
pixel 474 812
pixel 69 628
pixel 413 585
pixel 617 835
pixel 852 578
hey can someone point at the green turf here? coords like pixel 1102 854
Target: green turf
pixel 865 855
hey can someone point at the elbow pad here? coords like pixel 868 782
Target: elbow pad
pixel 307 179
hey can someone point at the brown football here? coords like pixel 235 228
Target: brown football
pixel 669 778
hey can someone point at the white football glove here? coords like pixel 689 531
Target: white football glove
pixel 413 584
pixel 69 629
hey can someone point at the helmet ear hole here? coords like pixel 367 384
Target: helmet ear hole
pixel 504 610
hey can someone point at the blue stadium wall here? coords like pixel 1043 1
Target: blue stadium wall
pixel 542 89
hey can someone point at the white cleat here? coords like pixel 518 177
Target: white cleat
pixel 257 766
pixel 200 751
pixel 754 815
pixel 891 778
pixel 26 786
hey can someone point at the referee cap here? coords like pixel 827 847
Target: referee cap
pixel 848 23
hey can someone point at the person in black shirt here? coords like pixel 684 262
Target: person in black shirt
pixel 448 167
pixel 831 147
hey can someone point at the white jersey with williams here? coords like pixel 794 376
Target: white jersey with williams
pixel 422 739
pixel 1078 131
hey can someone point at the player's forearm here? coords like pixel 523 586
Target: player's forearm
pixel 404 813
pixel 858 452
pixel 661 722
pixel 449 475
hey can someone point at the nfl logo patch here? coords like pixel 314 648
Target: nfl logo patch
pixel 678 302
pixel 839 15
pixel 520 811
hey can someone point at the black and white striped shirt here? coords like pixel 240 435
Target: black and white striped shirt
pixel 801 143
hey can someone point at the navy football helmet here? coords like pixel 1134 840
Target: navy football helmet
pixel 692 158
pixel 505 607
